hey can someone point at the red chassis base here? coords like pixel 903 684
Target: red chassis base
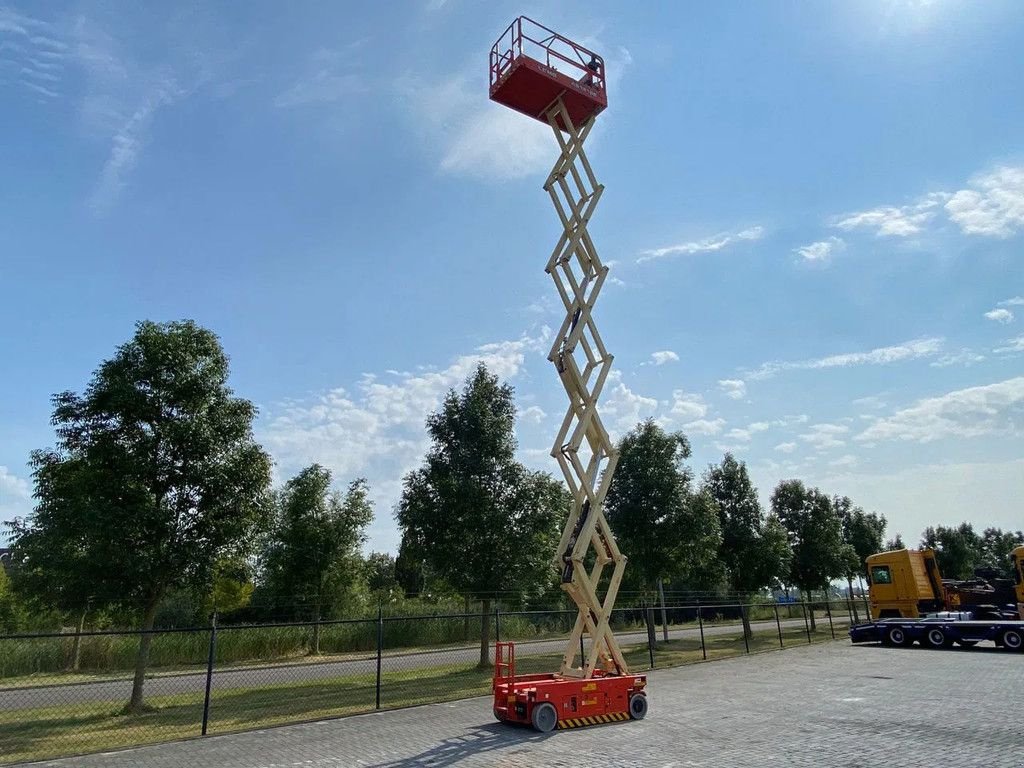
pixel 549 701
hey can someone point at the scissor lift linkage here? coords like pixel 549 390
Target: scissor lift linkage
pixel 600 688
pixel 582 448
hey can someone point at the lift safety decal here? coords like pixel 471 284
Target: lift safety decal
pixel 578 722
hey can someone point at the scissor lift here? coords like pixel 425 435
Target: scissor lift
pixel 550 78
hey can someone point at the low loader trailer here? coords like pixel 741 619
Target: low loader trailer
pixel 941 632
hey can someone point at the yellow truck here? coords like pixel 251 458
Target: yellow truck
pixel 905 583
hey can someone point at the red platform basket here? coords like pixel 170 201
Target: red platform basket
pixel 532 66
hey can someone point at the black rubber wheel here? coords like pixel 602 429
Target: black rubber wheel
pixel 967 643
pixel 638 706
pixel 1013 640
pixel 544 717
pixel 898 637
pixel 936 638
pixel 497 716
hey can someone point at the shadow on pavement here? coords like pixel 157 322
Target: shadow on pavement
pixel 472 742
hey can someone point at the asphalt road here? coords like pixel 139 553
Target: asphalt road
pixel 827 704
pixel 119 690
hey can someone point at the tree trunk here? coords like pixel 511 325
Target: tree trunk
pixel 136 705
pixel 664 615
pixel 745 616
pixel 465 618
pixel 810 609
pixel 76 649
pixel 853 601
pixel 485 633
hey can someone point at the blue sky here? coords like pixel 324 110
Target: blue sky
pixel 814 213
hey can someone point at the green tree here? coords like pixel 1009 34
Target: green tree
pixel 380 576
pixel 755 550
pixel 311 557
pixel 815 536
pixel 958 550
pixel 661 524
pixel 996 547
pixel 10 610
pixel 863 532
pixel 472 513
pixel 155 477
pixel 896 542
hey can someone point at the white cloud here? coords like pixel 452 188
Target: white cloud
pixel 846 460
pixel 127 144
pixel 707 245
pixel 890 221
pixel 744 435
pixel 824 436
pixel 1012 345
pixel 965 357
pixel 534 414
pixel 621 408
pixel 331 76
pixel 786 447
pixel 820 251
pixel 1000 315
pixel 15 493
pixel 992 409
pixel 908 350
pixel 377 429
pixel 1016 301
pixel 687 407
pixel 704 426
pixel 733 388
pixel 35 51
pixel 993 204
pixel 666 356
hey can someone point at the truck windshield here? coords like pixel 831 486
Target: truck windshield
pixel 880 574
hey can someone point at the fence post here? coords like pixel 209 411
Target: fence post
pixel 497 623
pixel 807 626
pixel 380 646
pixel 700 623
pixel 664 613
pixel 778 624
pixel 651 637
pixel 828 611
pixel 743 626
pixel 209 671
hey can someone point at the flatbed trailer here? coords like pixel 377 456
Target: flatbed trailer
pixel 940 632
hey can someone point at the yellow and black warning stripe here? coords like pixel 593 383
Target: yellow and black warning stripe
pixel 578 722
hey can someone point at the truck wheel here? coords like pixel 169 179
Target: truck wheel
pixel 544 717
pixel 638 706
pixel 1013 640
pixel 937 638
pixel 896 636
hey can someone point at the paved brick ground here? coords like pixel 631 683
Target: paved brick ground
pixel 826 705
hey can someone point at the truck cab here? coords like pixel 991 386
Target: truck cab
pixel 904 583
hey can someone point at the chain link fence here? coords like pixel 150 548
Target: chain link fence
pixel 66 694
